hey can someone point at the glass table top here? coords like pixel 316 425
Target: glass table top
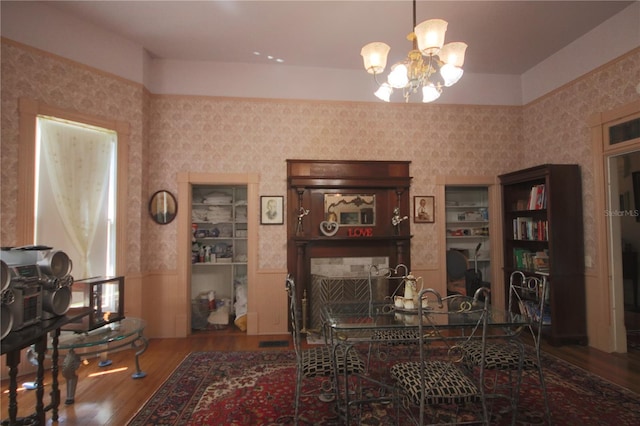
pixel 365 315
pixel 109 333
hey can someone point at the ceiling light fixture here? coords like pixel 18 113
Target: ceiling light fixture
pixel 429 66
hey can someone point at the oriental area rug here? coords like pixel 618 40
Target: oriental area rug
pixel 258 388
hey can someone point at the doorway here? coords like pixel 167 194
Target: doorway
pixel 616 148
pixel 232 247
pixel 624 187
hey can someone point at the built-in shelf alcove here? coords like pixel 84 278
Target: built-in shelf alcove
pixel 311 232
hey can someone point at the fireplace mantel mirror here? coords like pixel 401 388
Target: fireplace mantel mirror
pixel 350 209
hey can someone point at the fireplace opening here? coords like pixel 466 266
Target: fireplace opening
pixel 339 279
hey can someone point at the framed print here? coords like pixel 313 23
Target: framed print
pixel 423 209
pixel 271 210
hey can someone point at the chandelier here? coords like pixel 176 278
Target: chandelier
pixel 429 66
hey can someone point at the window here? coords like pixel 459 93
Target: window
pixel 75 193
pixel 25 221
pixel 624 131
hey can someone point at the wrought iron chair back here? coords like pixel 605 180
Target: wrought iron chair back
pixel 381 280
pixel 316 361
pixel 440 379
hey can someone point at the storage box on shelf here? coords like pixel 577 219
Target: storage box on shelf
pixel 543 234
pixel 218 252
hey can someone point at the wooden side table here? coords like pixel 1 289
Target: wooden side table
pixel 36 336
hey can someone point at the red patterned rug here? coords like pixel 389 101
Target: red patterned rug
pixel 257 388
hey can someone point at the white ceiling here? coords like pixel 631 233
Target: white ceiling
pixel 504 37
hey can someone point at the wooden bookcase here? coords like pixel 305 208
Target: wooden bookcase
pixel 543 215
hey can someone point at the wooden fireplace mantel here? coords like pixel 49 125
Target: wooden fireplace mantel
pixel 309 181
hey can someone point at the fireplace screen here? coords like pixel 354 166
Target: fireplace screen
pixel 330 289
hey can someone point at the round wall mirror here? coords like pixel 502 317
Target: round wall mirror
pixel 163 207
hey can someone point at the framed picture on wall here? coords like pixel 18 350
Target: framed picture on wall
pixel 423 209
pixel 271 210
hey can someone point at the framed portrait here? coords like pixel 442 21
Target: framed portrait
pixel 423 209
pixel 271 210
pixel 163 207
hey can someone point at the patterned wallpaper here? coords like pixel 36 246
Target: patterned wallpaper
pixel 172 134
pixel 558 122
pixel 61 83
pixel 202 134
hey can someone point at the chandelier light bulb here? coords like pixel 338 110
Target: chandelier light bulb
pixel 398 77
pixel 430 93
pixel 430 35
pixel 453 53
pixel 450 74
pixel 374 56
pixel 384 92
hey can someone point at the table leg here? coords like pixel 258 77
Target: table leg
pixel 69 368
pixel 13 359
pixel 55 388
pixel 104 361
pixel 140 344
pixel 41 348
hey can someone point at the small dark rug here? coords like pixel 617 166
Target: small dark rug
pixel 257 388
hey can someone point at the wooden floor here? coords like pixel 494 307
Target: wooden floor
pixel 109 396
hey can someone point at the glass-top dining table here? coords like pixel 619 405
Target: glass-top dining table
pixel 361 319
pixel 353 323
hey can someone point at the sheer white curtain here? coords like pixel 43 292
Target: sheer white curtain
pixel 77 161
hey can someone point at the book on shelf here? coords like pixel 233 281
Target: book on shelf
pixel 522 258
pixel 531 261
pixel 537 198
pixel 541 261
pixel 526 228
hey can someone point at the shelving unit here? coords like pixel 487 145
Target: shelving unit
pixel 467 224
pixel 218 251
pixel 543 234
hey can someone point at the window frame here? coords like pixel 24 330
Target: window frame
pixel 29 110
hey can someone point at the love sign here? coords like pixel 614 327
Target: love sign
pixel 360 232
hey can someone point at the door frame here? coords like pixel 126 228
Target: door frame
pixel 605 302
pixel 495 226
pixel 185 182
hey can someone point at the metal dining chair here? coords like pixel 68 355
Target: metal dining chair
pixel 381 280
pixel 316 362
pixel 527 296
pixel 438 387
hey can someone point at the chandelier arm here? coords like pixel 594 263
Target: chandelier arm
pixel 375 78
